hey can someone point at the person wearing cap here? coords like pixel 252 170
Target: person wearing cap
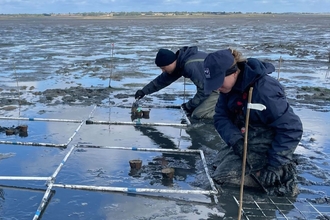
pixel 189 63
pixel 273 134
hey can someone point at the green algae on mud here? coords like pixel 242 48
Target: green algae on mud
pixel 317 92
pixel 318 96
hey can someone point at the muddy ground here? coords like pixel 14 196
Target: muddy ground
pixel 63 67
pixel 316 97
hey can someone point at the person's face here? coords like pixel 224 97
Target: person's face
pixel 169 68
pixel 229 82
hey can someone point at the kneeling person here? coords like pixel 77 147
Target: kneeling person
pixel 273 134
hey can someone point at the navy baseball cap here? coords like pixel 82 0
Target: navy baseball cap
pixel 217 66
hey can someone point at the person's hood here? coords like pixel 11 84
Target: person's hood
pixel 183 54
pixel 252 70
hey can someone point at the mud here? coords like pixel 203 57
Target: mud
pixel 312 97
pixel 60 68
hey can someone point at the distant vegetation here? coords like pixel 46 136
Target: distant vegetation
pixel 140 14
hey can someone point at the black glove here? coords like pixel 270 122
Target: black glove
pixel 289 172
pixel 187 111
pixel 238 147
pixel 139 94
pixel 270 176
pixel 238 150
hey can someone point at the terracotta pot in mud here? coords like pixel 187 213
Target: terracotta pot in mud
pixel 139 114
pixel 135 164
pixel 146 114
pixel 23 128
pixel 168 173
pixel 23 134
pixel 9 132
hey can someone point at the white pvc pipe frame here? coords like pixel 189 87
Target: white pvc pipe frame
pixel 49 120
pixel 134 123
pixel 51 183
pixel 81 123
pixel 214 190
pixel 50 180
pixel 138 122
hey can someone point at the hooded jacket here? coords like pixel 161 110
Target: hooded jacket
pixel 189 64
pixel 278 118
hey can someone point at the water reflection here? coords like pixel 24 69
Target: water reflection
pixel 183 164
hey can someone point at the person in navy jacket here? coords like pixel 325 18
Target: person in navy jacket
pixel 273 133
pixel 187 62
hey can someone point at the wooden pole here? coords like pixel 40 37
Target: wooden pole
pixel 111 65
pixel 244 155
pixel 279 68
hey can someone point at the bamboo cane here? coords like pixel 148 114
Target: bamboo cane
pixel 111 67
pixel 279 68
pixel 244 155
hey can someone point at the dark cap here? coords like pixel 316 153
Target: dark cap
pixel 217 66
pixel 165 57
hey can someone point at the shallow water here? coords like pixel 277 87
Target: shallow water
pixel 41 54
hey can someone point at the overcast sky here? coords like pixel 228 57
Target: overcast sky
pixel 74 6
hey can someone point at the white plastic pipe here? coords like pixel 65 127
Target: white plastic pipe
pixel 41 119
pixel 134 190
pixel 24 178
pixel 134 123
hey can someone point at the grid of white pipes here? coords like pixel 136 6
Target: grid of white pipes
pixel 51 180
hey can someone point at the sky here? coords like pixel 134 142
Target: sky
pixel 245 6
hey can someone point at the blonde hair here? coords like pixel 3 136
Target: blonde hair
pixel 238 57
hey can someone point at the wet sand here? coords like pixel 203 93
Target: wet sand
pixel 61 68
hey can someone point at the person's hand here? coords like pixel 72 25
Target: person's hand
pixel 186 110
pixel 270 176
pixel 139 94
pixel 238 147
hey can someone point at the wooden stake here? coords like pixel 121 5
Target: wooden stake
pixel 279 68
pixel 111 67
pixel 244 155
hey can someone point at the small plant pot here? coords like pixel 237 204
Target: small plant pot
pixel 9 132
pixel 89 122
pixel 23 128
pixel 168 173
pixel 146 114
pixel 23 134
pixel 135 164
pixel 138 114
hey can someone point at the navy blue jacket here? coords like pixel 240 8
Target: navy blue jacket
pixel 189 64
pixel 230 112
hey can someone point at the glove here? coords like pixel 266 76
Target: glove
pixel 139 94
pixel 187 111
pixel 238 150
pixel 238 147
pixel 289 172
pixel 270 176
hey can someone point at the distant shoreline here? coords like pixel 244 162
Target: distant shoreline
pixel 157 16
